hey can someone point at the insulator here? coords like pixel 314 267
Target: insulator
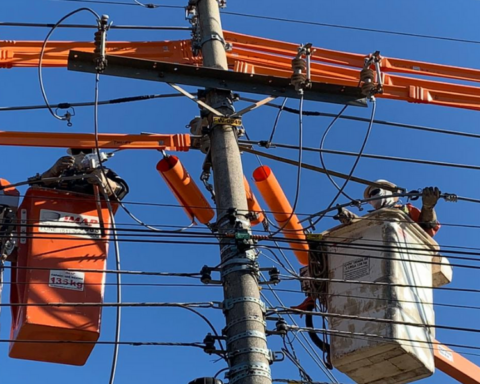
pixel 367 75
pixel 298 64
pixel 281 326
pixel 97 40
pixel 368 88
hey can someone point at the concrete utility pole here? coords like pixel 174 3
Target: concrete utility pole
pixel 245 330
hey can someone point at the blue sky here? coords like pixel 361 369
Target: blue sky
pixel 180 365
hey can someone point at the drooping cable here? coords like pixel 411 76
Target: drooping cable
pixel 365 140
pixel 299 170
pixel 322 160
pixel 66 117
pixel 277 118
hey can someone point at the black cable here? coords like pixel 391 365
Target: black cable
pixel 131 343
pixel 380 283
pixel 40 76
pixel 299 169
pixel 360 153
pixel 91 103
pixel 394 300
pixel 277 118
pixel 351 28
pixel 129 27
pixel 365 120
pixel 369 156
pixel 322 160
pixel 135 4
pixel 372 320
pixel 360 336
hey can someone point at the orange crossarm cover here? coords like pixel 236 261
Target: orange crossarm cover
pixel 276 200
pixel 174 142
pixel 185 190
pixel 251 54
pixel 455 365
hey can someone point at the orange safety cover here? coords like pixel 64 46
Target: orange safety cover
pixel 276 200
pixel 185 190
pixel 9 196
pixel 58 230
pixel 253 205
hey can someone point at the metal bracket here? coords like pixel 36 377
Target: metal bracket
pixel 246 318
pixel 253 106
pixel 229 303
pixel 216 36
pixel 266 352
pixel 195 100
pixel 255 369
pixel 246 267
pixel 243 335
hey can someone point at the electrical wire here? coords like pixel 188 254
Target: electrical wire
pixel 129 27
pixel 277 118
pixel 131 343
pixel 360 336
pixel 91 103
pixel 370 319
pixel 369 156
pixel 354 166
pixel 299 168
pixel 322 161
pixel 338 26
pixel 135 4
pixel 42 52
pixel 306 342
pixel 366 120
pixel 118 312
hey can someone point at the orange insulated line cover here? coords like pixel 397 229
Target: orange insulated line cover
pixel 276 200
pixel 185 190
pixel 253 205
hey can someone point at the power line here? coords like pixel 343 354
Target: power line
pixel 91 103
pixel 376 320
pixel 365 155
pixel 135 4
pixel 304 22
pixel 131 27
pixel 366 120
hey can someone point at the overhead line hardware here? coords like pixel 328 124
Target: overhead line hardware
pixel 214 78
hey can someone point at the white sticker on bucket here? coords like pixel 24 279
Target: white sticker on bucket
pixel 72 224
pixel 445 353
pixel 72 280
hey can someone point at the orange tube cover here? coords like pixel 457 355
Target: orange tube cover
pixel 185 190
pixel 253 205
pixel 276 200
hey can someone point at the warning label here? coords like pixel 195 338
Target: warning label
pixel 443 352
pixel 356 269
pixel 74 281
pixel 227 121
pixel 69 224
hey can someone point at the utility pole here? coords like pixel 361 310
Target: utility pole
pixel 245 313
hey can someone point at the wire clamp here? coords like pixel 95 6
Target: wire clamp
pixel 230 303
pixel 244 335
pixel 451 197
